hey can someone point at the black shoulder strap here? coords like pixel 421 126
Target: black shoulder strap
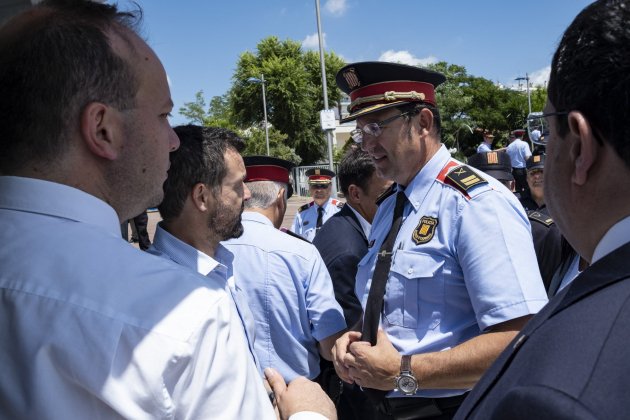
pixel 463 178
pixel 385 194
pixel 540 217
pixel 295 235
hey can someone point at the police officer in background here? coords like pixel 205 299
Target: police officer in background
pixel 311 216
pixel 535 200
pixel 519 152
pixel 445 310
pixel 551 249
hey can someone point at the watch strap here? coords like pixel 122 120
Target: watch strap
pixel 405 363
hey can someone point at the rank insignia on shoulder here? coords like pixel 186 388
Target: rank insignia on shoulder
pixel 305 206
pixel 425 230
pixel 540 217
pixel 463 178
pixel 340 204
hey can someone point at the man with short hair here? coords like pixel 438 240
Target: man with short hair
pixel 288 287
pixel 90 326
pixel 519 152
pixel 203 200
pixel 342 243
pixel 570 360
pixel 486 144
pixel 445 310
pixel 311 216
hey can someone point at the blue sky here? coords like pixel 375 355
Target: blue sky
pixel 199 41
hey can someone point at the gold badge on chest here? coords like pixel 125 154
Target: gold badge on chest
pixel 425 230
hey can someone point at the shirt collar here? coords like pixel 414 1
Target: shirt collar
pixel 188 256
pixel 419 186
pixel 617 235
pixel 365 225
pixel 59 200
pixel 254 216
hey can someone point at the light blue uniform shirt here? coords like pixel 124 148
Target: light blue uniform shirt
pixel 168 246
pixel 305 221
pixel 483 147
pixel 290 294
pixel 446 290
pixel 519 152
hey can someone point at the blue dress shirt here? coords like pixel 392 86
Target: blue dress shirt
pixel 290 294
pixel 443 289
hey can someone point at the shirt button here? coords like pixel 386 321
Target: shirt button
pixel 410 271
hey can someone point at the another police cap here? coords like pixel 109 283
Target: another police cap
pixel 376 85
pixel 535 162
pixel 319 176
pixel 495 164
pixel 267 168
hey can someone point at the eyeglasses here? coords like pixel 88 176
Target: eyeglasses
pixel 320 186
pixel 374 129
pixel 551 114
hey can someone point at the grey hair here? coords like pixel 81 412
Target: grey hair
pixel 264 193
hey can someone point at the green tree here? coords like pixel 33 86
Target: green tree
pixel 256 144
pixel 293 93
pixel 218 113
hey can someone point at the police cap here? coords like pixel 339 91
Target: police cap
pixel 319 176
pixel 376 85
pixel 495 164
pixel 535 162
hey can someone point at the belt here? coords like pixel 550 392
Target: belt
pixel 519 170
pixel 418 407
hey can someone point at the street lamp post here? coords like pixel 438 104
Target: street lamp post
pixel 262 82
pixel 329 135
pixel 529 98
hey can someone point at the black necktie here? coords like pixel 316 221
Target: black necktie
pixel 374 304
pixel 320 217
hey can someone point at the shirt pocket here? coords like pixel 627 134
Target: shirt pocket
pixel 414 297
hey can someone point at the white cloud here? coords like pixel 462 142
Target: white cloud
pixel 536 78
pixel 311 42
pixel 540 77
pixel 405 57
pixel 336 7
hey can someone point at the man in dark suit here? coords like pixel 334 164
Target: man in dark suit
pixel 571 360
pixel 342 242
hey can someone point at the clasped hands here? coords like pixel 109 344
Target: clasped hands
pixel 368 366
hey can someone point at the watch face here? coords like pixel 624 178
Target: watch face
pixel 407 384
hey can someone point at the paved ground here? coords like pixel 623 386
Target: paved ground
pixel 294 203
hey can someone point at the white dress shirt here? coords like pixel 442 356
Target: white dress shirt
pixel 618 235
pixel 92 328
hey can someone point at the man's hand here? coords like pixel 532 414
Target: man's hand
pixel 300 395
pixel 373 367
pixel 339 352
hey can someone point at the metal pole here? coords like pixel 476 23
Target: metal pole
pixel 322 62
pixel 262 79
pixel 529 98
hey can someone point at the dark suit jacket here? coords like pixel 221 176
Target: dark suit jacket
pixel 571 361
pixel 342 244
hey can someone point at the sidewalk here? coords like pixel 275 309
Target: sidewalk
pixel 294 203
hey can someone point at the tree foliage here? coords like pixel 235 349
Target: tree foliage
pixel 468 104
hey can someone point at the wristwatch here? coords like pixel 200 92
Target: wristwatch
pixel 405 381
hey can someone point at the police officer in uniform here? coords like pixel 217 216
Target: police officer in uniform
pixel 551 249
pixel 288 287
pixel 311 216
pixel 535 199
pixel 437 310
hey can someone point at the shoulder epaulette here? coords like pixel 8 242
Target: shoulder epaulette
pixel 305 206
pixel 463 179
pixel 338 203
pixel 385 194
pixel 540 217
pixel 295 235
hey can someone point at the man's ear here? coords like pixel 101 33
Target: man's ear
pixel 101 131
pixel 425 120
pixel 584 148
pixel 354 193
pixel 201 196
